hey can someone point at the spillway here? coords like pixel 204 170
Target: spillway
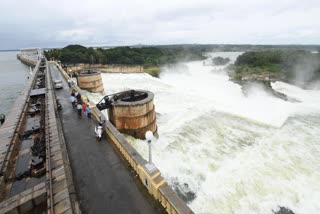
pixel 224 152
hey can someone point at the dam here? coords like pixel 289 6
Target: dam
pixel 51 162
pixel 255 149
pixel 225 152
pixel 34 166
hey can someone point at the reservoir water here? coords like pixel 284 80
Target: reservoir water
pixel 226 152
pixel 13 77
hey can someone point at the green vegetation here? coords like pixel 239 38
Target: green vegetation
pixel 220 60
pixel 261 62
pixel 151 58
pixel 153 71
pixel 285 64
pixel 147 56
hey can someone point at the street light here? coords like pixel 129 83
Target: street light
pixel 150 166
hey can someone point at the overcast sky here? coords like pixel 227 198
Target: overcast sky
pixel 57 23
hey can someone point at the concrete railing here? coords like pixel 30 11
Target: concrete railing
pixel 153 181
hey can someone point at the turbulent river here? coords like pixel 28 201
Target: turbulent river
pixel 233 153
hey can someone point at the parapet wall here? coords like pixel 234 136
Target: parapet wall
pixel 121 69
pixel 153 181
pixel 106 68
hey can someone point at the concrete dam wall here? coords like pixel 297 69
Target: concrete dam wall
pixel 150 178
pixel 106 68
pixel 35 174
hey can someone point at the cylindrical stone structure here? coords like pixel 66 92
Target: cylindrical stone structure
pixel 90 80
pixel 133 113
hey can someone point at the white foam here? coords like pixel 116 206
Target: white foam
pixel 310 99
pixel 213 138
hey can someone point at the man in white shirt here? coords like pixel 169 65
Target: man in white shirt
pixel 73 101
pixel 79 108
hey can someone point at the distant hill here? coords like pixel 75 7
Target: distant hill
pixel 258 61
pixel 146 56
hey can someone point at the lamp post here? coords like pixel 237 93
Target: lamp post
pixel 150 166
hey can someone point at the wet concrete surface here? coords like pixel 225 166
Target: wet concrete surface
pixel 23 163
pixel 22 167
pixel 33 122
pixel 18 186
pixel 31 182
pixel 22 180
pixel 26 143
pixel 102 182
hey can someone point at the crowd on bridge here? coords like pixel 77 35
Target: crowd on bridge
pixel 79 105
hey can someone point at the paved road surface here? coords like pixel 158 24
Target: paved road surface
pixel 102 182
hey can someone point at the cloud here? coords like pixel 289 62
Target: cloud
pixel 44 23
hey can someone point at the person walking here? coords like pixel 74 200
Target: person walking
pixel 84 106
pixel 78 96
pixel 104 136
pixel 79 109
pixel 88 111
pixel 73 101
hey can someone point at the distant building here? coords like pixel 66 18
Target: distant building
pixel 32 51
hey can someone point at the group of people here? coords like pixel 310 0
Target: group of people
pixel 81 106
pixel 78 104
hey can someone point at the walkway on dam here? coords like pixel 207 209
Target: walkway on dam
pixel 103 183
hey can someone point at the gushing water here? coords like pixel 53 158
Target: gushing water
pixel 236 153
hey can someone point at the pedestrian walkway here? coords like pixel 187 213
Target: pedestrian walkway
pixel 102 182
